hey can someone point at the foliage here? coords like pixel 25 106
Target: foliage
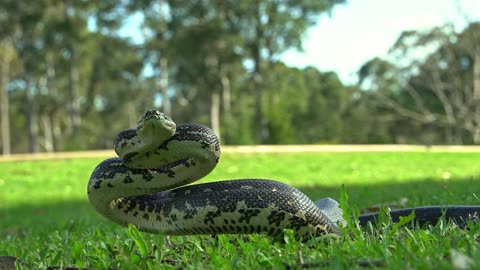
pixel 79 73
pixel 439 92
pixel 75 79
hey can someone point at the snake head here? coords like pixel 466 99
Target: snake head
pixel 155 126
pixel 153 116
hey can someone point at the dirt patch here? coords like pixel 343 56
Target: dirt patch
pixel 259 149
pixel 59 155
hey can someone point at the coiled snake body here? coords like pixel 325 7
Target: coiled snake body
pixel 145 186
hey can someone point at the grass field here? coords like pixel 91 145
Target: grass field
pixel 46 219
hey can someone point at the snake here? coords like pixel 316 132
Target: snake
pixel 150 185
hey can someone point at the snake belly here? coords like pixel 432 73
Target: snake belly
pixel 148 186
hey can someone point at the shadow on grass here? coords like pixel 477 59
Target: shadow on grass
pixel 41 218
pixel 59 215
pixel 416 192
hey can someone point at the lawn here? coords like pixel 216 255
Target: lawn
pixel 46 219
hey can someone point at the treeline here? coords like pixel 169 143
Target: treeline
pixel 70 81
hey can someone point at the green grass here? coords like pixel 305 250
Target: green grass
pixel 45 217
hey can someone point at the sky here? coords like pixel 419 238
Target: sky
pixel 363 29
pixel 360 30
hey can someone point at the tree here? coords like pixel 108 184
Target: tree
pixel 442 90
pixel 190 48
pixel 214 62
pixel 285 94
pixel 268 28
pixel 25 29
pixel 8 66
pixel 327 99
pixel 60 67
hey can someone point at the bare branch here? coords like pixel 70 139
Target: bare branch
pixel 419 103
pixel 421 117
pixel 440 92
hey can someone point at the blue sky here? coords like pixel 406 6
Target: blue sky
pixel 363 29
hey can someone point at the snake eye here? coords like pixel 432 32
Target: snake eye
pixel 152 114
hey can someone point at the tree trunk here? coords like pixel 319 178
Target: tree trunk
pixel 51 137
pixel 261 124
pixel 226 95
pixel 32 117
pixel 261 130
pixel 455 134
pixel 132 115
pixel 56 133
pixel 74 103
pixel 226 104
pixel 476 97
pixel 44 117
pixel 73 76
pixel 215 113
pixel 47 133
pixel 166 106
pixel 476 76
pixel 93 80
pixel 4 104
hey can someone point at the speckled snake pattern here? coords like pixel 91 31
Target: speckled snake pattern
pixel 148 186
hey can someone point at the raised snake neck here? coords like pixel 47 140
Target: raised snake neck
pixel 146 187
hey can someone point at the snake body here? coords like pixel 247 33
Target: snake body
pixel 147 185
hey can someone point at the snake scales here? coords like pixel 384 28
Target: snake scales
pixel 147 186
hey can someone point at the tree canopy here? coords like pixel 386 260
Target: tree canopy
pixel 69 80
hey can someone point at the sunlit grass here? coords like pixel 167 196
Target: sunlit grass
pixel 45 217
